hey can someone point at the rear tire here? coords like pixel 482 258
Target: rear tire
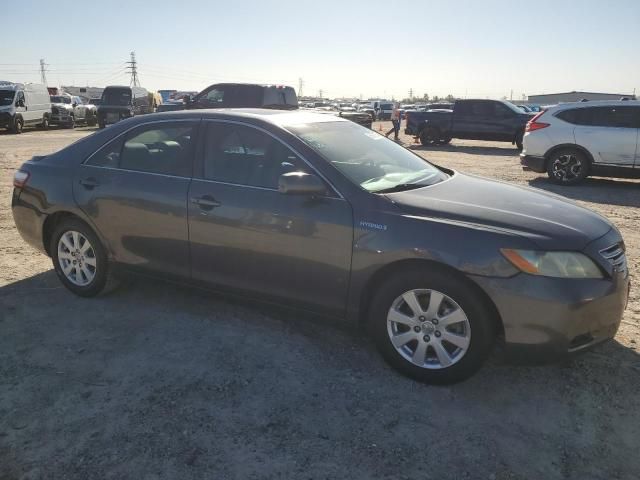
pixel 45 123
pixel 90 275
pixel 567 166
pixel 458 314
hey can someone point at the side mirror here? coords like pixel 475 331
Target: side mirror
pixel 300 183
pixel 74 104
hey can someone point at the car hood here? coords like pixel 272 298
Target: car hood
pixel 550 221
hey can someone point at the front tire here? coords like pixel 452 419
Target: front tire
pixel 18 124
pixel 429 136
pixel 568 166
pixel 80 260
pixel 431 326
pixel 45 123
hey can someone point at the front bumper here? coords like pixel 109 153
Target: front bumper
pixel 531 162
pixel 60 118
pixel 546 318
pixel 6 119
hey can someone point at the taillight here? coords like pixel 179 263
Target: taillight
pixel 533 124
pixel 20 179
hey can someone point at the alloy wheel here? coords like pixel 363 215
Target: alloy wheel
pixel 567 167
pixel 428 329
pixel 77 258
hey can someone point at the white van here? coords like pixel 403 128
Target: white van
pixel 24 104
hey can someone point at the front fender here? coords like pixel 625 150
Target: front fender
pixel 395 237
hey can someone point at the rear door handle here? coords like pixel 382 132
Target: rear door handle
pixel 89 183
pixel 205 202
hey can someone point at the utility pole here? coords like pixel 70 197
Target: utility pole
pixel 511 96
pixel 300 85
pixel 43 75
pixel 132 66
pixel 320 94
pixel 411 94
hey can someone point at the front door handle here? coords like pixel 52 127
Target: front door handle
pixel 205 202
pixel 89 183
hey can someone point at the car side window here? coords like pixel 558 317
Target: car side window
pixel 212 99
pixel 19 98
pixel 157 148
pixel 620 117
pixel 243 155
pixel 108 156
pixel 501 111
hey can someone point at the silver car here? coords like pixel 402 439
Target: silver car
pixel 574 140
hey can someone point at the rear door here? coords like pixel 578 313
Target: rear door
pixel 469 119
pixel 610 133
pixel 134 189
pixel 246 234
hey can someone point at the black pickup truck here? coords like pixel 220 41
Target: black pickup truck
pixel 473 119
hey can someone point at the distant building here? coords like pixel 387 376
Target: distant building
pixel 84 92
pixel 553 98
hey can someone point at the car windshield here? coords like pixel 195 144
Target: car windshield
pixel 513 107
pixel 6 97
pixel 367 158
pixel 386 106
pixel 60 99
pixel 116 97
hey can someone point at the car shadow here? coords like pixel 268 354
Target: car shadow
pixel 509 151
pixel 624 193
pixel 203 371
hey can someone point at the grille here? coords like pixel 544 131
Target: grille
pixel 615 256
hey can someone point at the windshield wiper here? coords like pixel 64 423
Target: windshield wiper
pixel 401 187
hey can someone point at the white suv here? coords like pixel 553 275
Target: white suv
pixel 573 140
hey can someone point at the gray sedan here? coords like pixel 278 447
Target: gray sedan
pixel 323 214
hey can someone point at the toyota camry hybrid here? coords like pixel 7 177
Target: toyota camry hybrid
pixel 323 214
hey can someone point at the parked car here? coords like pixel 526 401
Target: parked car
pixel 244 95
pixel 68 110
pixel 94 101
pixel 574 140
pixel 384 111
pixel 473 119
pixel 24 104
pixel 369 110
pixel 317 212
pixel 120 102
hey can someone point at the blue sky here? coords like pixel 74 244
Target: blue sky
pixel 370 48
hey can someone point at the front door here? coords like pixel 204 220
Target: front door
pixel 135 190
pixel 609 133
pixel 245 234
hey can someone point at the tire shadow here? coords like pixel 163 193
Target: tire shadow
pixel 620 192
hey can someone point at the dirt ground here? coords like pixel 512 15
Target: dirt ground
pixel 158 381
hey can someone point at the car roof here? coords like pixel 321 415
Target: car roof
pixel 276 117
pixel 595 103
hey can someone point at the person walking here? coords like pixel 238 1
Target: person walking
pixel 395 119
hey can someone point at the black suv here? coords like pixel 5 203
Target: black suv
pixel 240 95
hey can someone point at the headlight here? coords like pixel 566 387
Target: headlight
pixel 553 264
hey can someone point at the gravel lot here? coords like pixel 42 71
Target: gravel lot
pixel 160 381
